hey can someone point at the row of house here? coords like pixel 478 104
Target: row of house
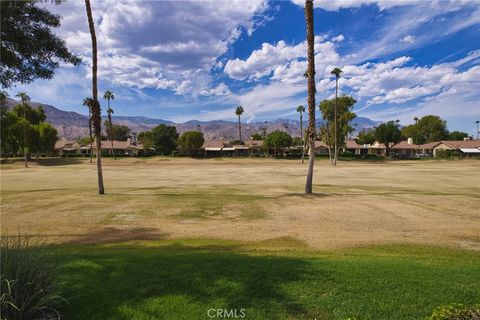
pixel 65 148
pixel 405 149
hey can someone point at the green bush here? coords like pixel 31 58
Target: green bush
pixel 29 289
pixel 455 311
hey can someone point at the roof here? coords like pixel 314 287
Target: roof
pixel 352 144
pixel 254 143
pixel 429 145
pixel 320 144
pixel 123 145
pixel 64 143
pixel 457 144
pixel 405 145
pixel 470 150
pixel 213 144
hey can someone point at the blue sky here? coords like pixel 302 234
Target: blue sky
pixel 183 60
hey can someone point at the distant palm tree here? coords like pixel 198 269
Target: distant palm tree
pixel 87 102
pixel 415 119
pixel 25 100
pixel 239 111
pixel 301 110
pixel 310 74
pixel 336 72
pixel 478 129
pixel 108 95
pixel 95 107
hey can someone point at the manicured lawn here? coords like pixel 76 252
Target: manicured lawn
pixel 183 279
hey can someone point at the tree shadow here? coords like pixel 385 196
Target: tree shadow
pixel 181 282
pixel 116 235
pixel 52 162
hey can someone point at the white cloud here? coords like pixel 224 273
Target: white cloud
pixel 220 90
pixel 409 39
pixel 159 44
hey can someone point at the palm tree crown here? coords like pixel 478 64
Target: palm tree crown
pixel 239 111
pixel 337 72
pixel 23 96
pixel 300 109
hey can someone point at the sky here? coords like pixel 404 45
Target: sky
pixel 184 60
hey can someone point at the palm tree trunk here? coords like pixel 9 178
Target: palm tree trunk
pixel 335 128
pixel 239 130
pixel 311 92
pixel 90 132
pixel 301 137
pixel 96 116
pixel 25 137
pixel 110 133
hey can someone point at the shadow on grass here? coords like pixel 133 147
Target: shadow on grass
pixel 115 235
pixel 179 282
pixel 52 162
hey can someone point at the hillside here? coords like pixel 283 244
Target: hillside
pixel 73 125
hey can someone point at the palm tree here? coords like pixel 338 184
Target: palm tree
pixel 95 107
pixel 108 95
pixel 478 129
pixel 336 72
pixel 239 111
pixel 415 119
pixel 88 102
pixel 301 110
pixel 310 74
pixel 25 100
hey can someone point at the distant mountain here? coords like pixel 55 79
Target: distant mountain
pixel 73 125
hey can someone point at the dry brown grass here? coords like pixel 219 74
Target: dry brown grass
pixel 356 203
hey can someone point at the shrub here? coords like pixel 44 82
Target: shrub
pixel 28 280
pixel 455 311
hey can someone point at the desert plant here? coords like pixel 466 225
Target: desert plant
pixel 28 280
pixel 455 311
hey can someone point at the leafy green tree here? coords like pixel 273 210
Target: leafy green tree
pixel 310 75
pixel 338 116
pixel 427 129
pixel 146 139
pixel 191 142
pixel 457 135
pixel 84 141
pixel 257 136
pixel 165 139
pixel 120 132
pixel 47 137
pixel 238 112
pixel 366 136
pixel 29 47
pixel 297 141
pixel 389 134
pixel 277 139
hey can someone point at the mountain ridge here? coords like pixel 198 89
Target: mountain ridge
pixel 73 125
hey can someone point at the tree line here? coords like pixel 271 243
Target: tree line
pixel 24 130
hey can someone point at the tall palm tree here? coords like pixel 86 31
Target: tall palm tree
pixel 336 72
pixel 88 102
pixel 108 95
pixel 415 119
pixel 25 100
pixel 301 110
pixel 239 111
pixel 310 74
pixel 478 129
pixel 95 107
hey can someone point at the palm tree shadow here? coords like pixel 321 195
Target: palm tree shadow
pixel 207 277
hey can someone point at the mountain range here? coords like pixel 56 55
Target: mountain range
pixel 73 125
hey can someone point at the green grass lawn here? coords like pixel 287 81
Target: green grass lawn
pixel 183 279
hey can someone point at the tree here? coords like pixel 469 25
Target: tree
pixel 165 139
pixel 457 135
pixel 29 47
pixel 336 72
pixel 25 100
pixel 239 111
pixel 191 142
pixel 366 136
pixel 427 129
pixel 338 116
pixel 310 74
pixel 120 132
pixel 88 102
pixel 95 105
pixel 257 136
pixel 389 134
pixel 146 139
pixel 47 137
pixel 108 95
pixel 277 139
